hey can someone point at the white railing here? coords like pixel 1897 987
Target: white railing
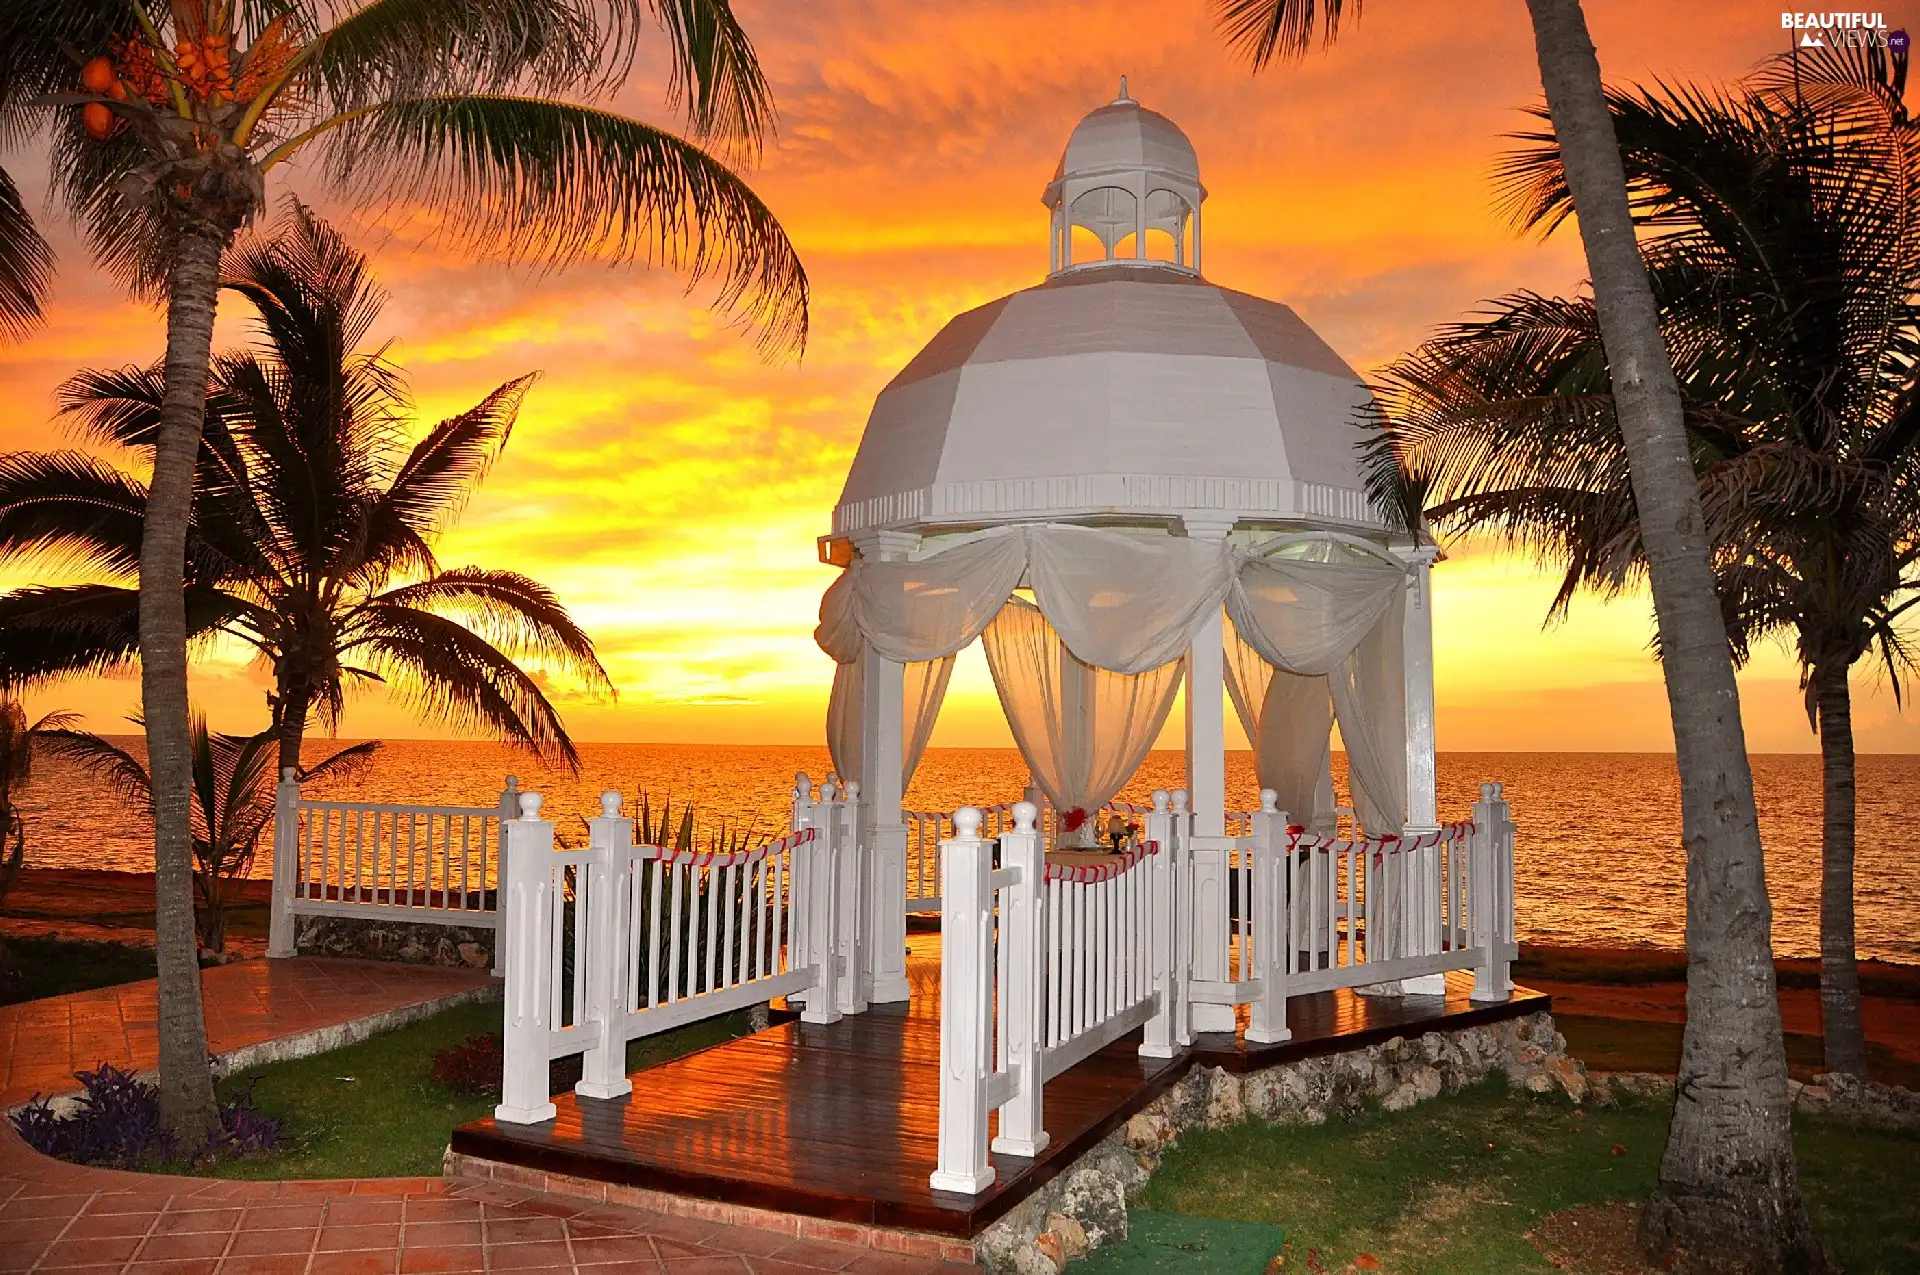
pixel 432 864
pixel 1061 961
pixel 618 941
pixel 926 829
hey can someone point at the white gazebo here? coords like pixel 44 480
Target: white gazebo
pixel 1120 481
pixel 1169 472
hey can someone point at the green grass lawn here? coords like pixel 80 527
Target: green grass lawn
pixel 34 967
pixel 1452 1186
pixel 374 1109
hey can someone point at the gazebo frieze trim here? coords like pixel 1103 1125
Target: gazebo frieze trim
pixel 1092 495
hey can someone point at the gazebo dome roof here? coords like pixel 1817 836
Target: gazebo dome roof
pixel 1120 387
pixel 1124 135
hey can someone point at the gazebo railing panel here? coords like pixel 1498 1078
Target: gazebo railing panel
pixel 358 859
pixel 619 941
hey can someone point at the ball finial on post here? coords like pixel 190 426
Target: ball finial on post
pixel 530 805
pixel 1024 815
pixel 609 804
pixel 1179 801
pixel 1269 801
pixel 966 823
pixel 1160 799
pixel 853 790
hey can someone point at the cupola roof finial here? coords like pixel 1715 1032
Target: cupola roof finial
pixel 1123 93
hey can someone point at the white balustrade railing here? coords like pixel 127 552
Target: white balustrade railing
pixel 618 941
pixel 433 864
pixel 926 829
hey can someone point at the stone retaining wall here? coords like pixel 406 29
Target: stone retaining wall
pixel 1085 1206
pixel 381 939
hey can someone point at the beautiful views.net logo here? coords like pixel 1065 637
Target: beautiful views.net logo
pixel 1843 30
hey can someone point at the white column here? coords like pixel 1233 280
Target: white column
pixel 883 833
pixel 528 1010
pixel 607 954
pixel 1421 936
pixel 1023 984
pixel 1207 795
pixel 966 1008
pixel 286 863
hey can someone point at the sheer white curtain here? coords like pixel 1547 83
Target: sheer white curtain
pixel 1289 721
pixel 1082 730
pixel 1370 703
pixel 926 688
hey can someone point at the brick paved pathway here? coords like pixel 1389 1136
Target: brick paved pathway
pixel 252 1007
pixel 61 1218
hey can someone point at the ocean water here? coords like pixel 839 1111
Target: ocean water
pixel 1598 856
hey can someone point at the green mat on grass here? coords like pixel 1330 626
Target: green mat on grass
pixel 1176 1242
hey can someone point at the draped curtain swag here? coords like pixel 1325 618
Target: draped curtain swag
pixel 1125 604
pixel 1082 730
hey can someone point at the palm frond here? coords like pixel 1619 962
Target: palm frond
pixel 105 760
pixel 26 265
pixel 432 485
pixel 1264 31
pixel 518 615
pixel 71 509
pixel 453 675
pixel 547 182
pixel 88 629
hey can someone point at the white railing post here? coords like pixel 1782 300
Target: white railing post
pixel 852 922
pixel 605 954
pixel 1267 1023
pixel 286 863
pixel 1180 830
pixel 1157 1040
pixel 1490 899
pixel 799 919
pixel 821 908
pixel 528 1015
pixel 509 811
pixel 1023 984
pixel 966 1008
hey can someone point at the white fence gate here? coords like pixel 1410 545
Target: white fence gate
pixel 618 941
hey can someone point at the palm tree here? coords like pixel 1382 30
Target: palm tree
pixel 18 741
pixel 233 800
pixel 313 522
pixel 1728 1195
pixel 169 116
pixel 1783 241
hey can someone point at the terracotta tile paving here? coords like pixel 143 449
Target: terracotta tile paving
pixel 43 1042
pixel 63 1219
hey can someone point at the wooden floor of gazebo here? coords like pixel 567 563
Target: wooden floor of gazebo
pixel 839 1121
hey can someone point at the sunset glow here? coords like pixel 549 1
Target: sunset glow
pixel 669 482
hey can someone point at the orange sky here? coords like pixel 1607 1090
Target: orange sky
pixel 669 483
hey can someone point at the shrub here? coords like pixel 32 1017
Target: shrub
pixel 116 1124
pixel 475 1065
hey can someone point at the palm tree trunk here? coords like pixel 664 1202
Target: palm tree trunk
pixel 1729 1195
pixel 1844 1039
pixel 290 708
pixel 186 1084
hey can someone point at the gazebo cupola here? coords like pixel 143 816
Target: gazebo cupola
pixel 1130 176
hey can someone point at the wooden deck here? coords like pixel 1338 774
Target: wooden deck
pixel 839 1121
